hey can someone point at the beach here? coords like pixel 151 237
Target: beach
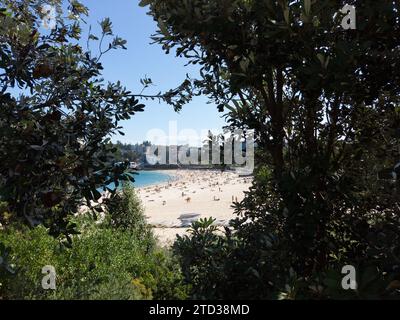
pixel 170 207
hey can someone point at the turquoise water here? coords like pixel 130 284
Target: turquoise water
pixel 147 178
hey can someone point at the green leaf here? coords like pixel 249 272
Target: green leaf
pixel 106 26
pixel 144 3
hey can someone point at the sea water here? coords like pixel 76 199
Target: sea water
pixel 147 178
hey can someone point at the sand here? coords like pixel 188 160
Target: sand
pixel 171 207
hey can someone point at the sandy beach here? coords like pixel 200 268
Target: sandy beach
pixel 171 207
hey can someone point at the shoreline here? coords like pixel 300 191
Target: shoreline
pixel 171 207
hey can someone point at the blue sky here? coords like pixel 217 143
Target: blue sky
pixel 142 59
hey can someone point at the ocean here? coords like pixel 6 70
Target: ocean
pixel 148 178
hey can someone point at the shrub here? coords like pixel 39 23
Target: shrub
pixel 105 264
pixel 126 210
pixel 202 255
pixel 256 263
pixel 114 259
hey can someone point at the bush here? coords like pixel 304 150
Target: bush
pixel 256 262
pixel 105 264
pixel 203 255
pixel 115 259
pixel 126 210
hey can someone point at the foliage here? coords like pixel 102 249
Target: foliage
pixel 115 257
pixel 323 102
pixel 201 255
pixel 56 115
pixel 126 152
pixel 104 263
pixel 126 211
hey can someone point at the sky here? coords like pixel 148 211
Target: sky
pixel 141 59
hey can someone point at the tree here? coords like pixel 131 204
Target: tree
pixel 56 115
pixel 323 102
